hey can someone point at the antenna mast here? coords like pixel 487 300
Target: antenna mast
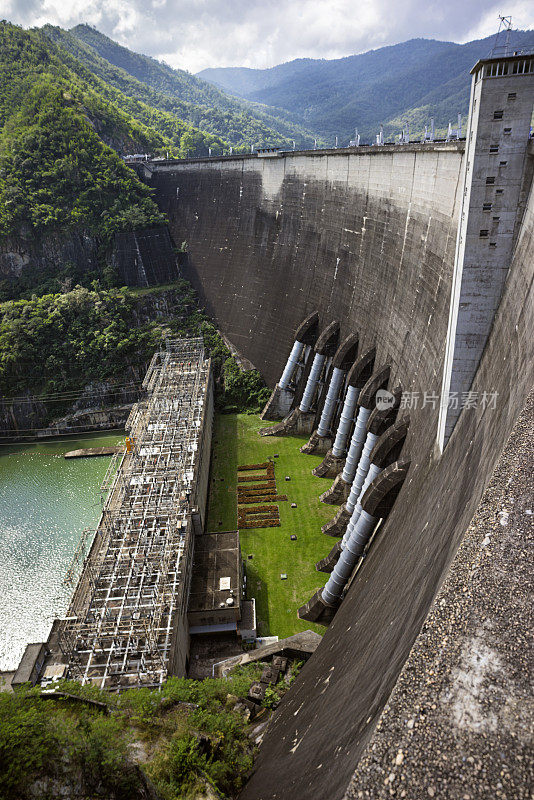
pixel 505 24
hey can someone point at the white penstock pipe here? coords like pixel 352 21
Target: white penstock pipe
pixel 361 472
pixel 292 362
pixel 329 407
pixel 371 475
pixel 345 421
pixel 348 558
pixel 313 380
pixel 356 445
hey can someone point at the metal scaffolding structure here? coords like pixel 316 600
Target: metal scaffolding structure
pixel 118 631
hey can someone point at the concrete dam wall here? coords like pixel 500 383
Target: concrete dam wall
pixel 366 238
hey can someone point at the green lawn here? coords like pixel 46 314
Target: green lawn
pixel 236 441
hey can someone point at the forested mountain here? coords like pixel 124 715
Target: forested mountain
pixel 66 117
pixel 413 81
pixel 67 114
pixel 58 137
pixel 64 188
pixel 177 92
pixel 64 193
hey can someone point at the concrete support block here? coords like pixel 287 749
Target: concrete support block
pixel 278 405
pixel 316 610
pixel 298 423
pixel 270 675
pixel 256 693
pixel 328 563
pixel 317 444
pixel 252 707
pixel 338 525
pixel 330 466
pixel 338 492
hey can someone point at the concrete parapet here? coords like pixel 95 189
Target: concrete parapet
pixel 338 492
pixel 338 525
pixel 330 466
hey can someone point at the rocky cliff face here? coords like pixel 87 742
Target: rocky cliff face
pixel 141 258
pixel 29 257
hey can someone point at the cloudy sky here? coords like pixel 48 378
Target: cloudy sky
pixel 193 34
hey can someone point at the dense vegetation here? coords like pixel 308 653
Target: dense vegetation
pixel 414 80
pixel 177 93
pixel 236 389
pixel 60 342
pixel 56 173
pixel 64 341
pixel 189 736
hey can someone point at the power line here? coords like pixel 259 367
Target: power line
pixel 52 433
pixel 70 394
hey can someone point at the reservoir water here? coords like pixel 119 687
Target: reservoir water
pixel 46 502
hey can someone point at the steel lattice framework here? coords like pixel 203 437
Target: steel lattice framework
pixel 119 628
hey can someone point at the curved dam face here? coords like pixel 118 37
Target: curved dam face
pixel 367 238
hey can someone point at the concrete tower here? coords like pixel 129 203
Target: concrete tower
pixel 495 185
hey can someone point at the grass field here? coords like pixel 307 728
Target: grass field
pixel 236 441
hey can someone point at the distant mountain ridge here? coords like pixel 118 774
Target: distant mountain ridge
pixel 177 92
pixel 412 81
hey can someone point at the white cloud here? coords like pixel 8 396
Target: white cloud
pixel 521 11
pixel 193 34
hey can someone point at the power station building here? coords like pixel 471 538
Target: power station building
pixel 127 623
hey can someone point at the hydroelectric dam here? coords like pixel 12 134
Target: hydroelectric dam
pixel 385 294
pixel 404 269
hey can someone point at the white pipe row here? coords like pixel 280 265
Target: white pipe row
pixel 348 558
pixel 313 380
pixel 356 445
pixel 345 421
pixel 292 362
pixel 372 472
pixel 336 381
pixel 361 472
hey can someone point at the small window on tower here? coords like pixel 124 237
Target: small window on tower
pixel 507 131
pixel 503 163
pixel 484 233
pixel 499 191
pixel 498 114
pixel 496 219
pixel 490 180
pixel 493 244
pixel 512 95
pixel 486 206
pixel 494 148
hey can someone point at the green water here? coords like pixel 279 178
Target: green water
pixel 45 503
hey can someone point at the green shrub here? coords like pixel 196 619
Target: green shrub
pixel 27 744
pixel 190 731
pixel 235 389
pixel 271 697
